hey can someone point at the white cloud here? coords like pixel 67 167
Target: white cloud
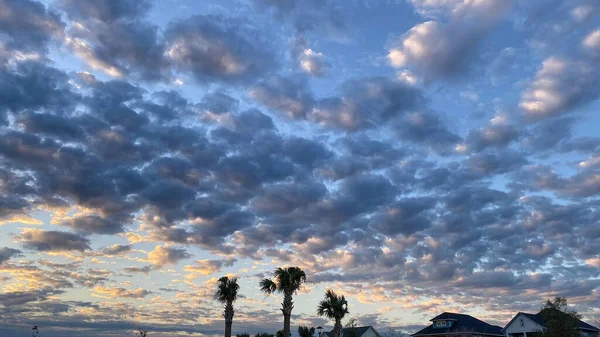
pixel 314 63
pixel 592 42
pixel 440 49
pixel 559 85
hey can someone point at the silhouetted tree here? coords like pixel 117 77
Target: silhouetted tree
pixel 226 293
pixel 559 319
pixel 334 307
pixel 141 333
pixel 245 334
pixel 287 281
pixel 305 331
pixel 264 334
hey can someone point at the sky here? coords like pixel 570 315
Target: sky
pixel 417 156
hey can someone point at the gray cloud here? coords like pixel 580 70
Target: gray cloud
pixel 442 50
pixel 52 241
pixel 7 253
pixel 29 25
pixel 215 48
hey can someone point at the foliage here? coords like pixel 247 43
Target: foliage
pixel 35 331
pixel 351 325
pixel 245 334
pixel 279 333
pixel 227 290
pixel 395 333
pixel 286 281
pixel 141 333
pixel 264 334
pixel 334 306
pixel 560 320
pixel 305 331
pixel 227 293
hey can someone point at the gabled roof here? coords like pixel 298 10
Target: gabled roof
pixel 353 332
pixel 540 320
pixel 463 323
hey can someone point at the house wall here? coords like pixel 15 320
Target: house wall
pixel 530 326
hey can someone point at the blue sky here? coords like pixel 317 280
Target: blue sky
pixel 418 156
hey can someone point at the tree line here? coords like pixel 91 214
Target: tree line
pixel 287 282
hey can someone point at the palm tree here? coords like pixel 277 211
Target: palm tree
pixel 226 293
pixel 305 331
pixel 286 281
pixel 334 306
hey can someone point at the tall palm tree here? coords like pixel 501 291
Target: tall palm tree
pixel 305 331
pixel 287 281
pixel 334 306
pixel 226 293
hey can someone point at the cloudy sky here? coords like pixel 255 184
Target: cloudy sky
pixel 419 156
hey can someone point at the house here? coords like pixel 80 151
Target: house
pixel 359 331
pixel 524 323
pixel 457 325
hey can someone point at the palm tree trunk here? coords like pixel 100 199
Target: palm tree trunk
pixel 228 315
pixel 228 329
pixel 337 328
pixel 286 308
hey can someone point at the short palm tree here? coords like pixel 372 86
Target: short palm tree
pixel 334 306
pixel 226 293
pixel 287 281
pixel 305 331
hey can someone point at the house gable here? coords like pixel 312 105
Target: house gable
pixel 461 324
pixel 522 323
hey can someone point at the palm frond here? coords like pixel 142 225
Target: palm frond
pixel 267 286
pixel 333 306
pixel 227 290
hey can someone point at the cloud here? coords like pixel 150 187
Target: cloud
pixel 559 86
pixel 592 42
pixel 366 103
pixel 208 267
pixel 29 25
pixel 288 95
pixel 213 48
pixel 7 253
pixel 93 224
pixel 122 292
pixel 114 38
pixel 162 256
pixel 442 50
pixel 497 133
pixel 105 10
pixel 144 269
pixel 311 62
pixel 16 298
pixel 52 241
pixel 308 16
pixel 114 250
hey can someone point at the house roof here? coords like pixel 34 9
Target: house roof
pixel 348 332
pixel 539 320
pixel 463 323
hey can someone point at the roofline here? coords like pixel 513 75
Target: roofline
pixel 444 319
pixel 376 332
pixel 517 315
pixel 457 333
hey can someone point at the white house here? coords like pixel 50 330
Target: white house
pixel 524 323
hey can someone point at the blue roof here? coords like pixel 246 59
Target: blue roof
pixel 463 323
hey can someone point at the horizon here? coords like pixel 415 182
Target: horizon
pixel 416 156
